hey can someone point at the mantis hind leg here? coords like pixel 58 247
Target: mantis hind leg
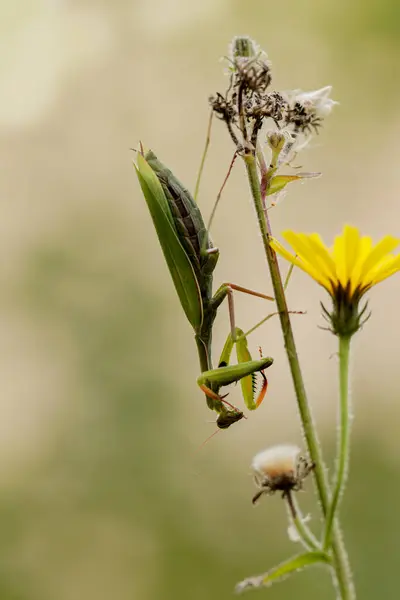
pixel 226 290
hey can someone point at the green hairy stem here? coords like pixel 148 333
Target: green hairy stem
pixel 344 437
pixel 340 561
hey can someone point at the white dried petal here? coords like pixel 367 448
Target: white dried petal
pixel 276 461
pixel 317 101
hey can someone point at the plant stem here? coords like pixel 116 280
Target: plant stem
pixel 344 437
pixel 303 531
pixel 341 565
pixel 305 414
pixel 288 276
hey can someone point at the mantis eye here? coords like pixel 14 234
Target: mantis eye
pixel 227 419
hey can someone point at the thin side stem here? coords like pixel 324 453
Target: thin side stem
pixel 288 276
pixel 341 565
pixel 344 437
pixel 203 158
pixel 267 318
pixel 214 210
pixel 303 531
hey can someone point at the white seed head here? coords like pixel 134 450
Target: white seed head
pixel 276 462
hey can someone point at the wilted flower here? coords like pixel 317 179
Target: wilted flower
pixel 317 101
pixel 307 110
pixel 347 271
pixel 279 468
pixel 247 102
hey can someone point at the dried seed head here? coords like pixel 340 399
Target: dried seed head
pixel 276 461
pixel 246 103
pixel 224 108
pixel 308 109
pixel 251 74
pixel 317 101
pixel 266 105
pixel 280 468
pixel 303 119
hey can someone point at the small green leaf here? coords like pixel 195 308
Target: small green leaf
pixel 280 181
pixel 285 569
pixel 178 262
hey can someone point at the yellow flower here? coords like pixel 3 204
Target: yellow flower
pixel 347 270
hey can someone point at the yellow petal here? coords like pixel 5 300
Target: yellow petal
pixel 305 266
pixel 353 260
pixel 364 249
pixel 311 251
pixel 323 254
pixel 382 248
pixel 386 270
pixel 339 256
pixel 351 249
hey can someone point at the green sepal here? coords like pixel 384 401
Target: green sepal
pixel 178 262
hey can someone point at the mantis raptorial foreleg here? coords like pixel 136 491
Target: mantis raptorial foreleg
pixel 211 381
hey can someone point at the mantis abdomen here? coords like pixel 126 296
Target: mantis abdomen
pixel 188 220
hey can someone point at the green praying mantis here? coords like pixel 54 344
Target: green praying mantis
pixel 191 258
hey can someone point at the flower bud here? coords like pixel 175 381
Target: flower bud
pixel 276 140
pixel 243 46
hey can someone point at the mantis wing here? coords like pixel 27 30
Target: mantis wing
pixel 178 262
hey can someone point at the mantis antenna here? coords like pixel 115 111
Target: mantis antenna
pixel 204 156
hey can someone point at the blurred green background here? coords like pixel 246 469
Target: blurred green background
pixel 104 490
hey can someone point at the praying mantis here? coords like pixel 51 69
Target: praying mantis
pixel 191 258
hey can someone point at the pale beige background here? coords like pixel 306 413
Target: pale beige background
pixel 101 420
